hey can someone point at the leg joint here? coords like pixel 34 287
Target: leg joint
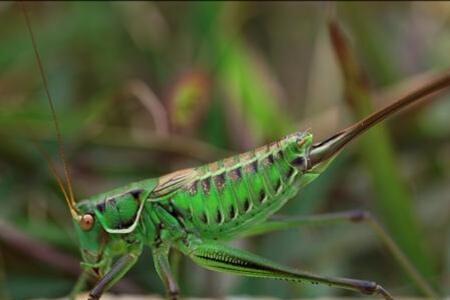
pixel 173 293
pixel 360 215
pixel 93 297
pixel 368 287
pixel 372 288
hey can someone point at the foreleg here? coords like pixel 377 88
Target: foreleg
pixel 117 271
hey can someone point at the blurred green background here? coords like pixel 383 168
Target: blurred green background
pixel 142 89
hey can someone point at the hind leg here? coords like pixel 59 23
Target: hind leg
pixel 352 217
pixel 218 257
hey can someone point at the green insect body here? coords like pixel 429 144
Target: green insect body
pixel 184 209
pixel 216 201
pixel 196 210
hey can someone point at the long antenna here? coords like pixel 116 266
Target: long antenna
pixel 68 196
pixel 324 150
pixel 52 168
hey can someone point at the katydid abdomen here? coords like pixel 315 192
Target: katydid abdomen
pixel 221 199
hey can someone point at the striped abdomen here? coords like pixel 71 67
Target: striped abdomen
pixel 219 198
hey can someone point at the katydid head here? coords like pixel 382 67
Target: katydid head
pixel 92 237
pixel 107 224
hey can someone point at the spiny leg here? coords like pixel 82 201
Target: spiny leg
pixel 117 271
pixel 162 266
pixel 353 217
pixel 218 257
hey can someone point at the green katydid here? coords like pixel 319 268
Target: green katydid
pixel 196 210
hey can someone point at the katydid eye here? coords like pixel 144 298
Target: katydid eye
pixel 87 222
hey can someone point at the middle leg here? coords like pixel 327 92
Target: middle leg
pixel 162 266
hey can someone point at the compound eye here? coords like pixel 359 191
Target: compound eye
pixel 87 222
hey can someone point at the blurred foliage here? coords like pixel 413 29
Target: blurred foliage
pixel 142 89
